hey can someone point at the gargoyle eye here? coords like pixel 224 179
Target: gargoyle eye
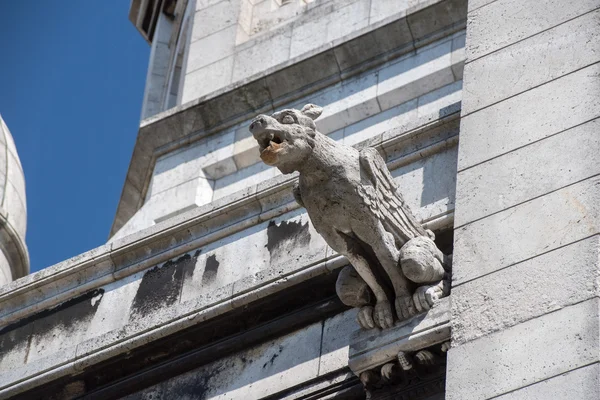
pixel 288 119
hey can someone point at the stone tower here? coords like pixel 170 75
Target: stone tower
pixel 214 283
pixel 14 258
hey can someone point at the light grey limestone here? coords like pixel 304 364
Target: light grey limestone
pixel 475 4
pixel 413 76
pixel 504 22
pixel 347 20
pixel 215 18
pixel 207 79
pixel 582 383
pixel 370 349
pixel 524 354
pixel 530 116
pixel 518 176
pixel 255 373
pixel 211 48
pixel 550 55
pixel 337 332
pixel 525 291
pixel 503 239
pixel 351 212
pixel 262 56
pixel 382 9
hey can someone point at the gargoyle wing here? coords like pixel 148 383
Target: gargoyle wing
pixel 384 199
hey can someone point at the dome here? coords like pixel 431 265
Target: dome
pixel 14 259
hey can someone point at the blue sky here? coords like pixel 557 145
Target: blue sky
pixel 72 76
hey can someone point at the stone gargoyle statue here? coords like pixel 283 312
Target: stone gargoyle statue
pixel 354 203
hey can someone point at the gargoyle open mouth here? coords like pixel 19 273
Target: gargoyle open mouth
pixel 269 147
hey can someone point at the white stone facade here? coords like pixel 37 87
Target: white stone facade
pixel 14 258
pixel 215 284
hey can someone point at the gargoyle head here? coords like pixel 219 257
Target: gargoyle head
pixel 286 138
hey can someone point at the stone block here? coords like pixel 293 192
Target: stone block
pixel 347 20
pixel 382 9
pixel 17 211
pixel 503 239
pixel 308 36
pixel 458 55
pixel 210 49
pixel 393 36
pixel 336 341
pixel 513 178
pixel 246 177
pixel 532 62
pixel 533 115
pixel 440 103
pixel 526 290
pixel 220 169
pixel 215 18
pixel 436 17
pixel 262 56
pixel 582 383
pixel 504 22
pixel 303 74
pixel 346 103
pixel 188 163
pixel 475 4
pixel 524 354
pixel 415 75
pixel 427 184
pixel 245 148
pixel 395 117
pixel 208 79
pixel 255 373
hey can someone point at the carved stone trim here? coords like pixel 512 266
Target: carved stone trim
pixel 372 348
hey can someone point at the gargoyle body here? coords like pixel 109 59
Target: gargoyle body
pixel 354 203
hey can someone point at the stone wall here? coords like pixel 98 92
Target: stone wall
pixel 524 301
pixel 404 94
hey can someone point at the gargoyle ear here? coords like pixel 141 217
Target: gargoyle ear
pixel 312 111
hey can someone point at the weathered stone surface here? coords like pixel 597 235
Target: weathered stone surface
pixel 337 332
pixel 554 220
pixel 525 291
pixel 527 353
pixel 252 374
pixel 568 157
pixel 413 76
pixel 550 55
pixel 582 383
pixel 354 203
pixel 504 22
pixel 530 116
pixel 369 349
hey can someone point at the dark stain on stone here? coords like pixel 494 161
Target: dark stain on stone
pixel 210 269
pixel 68 316
pixel 273 357
pixel 282 239
pixel 161 285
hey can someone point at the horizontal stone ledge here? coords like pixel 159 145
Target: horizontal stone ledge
pixel 241 100
pixel 373 348
pixel 190 230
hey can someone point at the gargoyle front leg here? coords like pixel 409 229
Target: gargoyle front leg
pixel 388 255
pixel 382 313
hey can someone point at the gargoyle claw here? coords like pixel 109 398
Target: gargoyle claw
pixel 383 314
pixel 426 296
pixel 365 317
pixel 405 307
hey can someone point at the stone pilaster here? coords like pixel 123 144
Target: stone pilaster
pixel 525 321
